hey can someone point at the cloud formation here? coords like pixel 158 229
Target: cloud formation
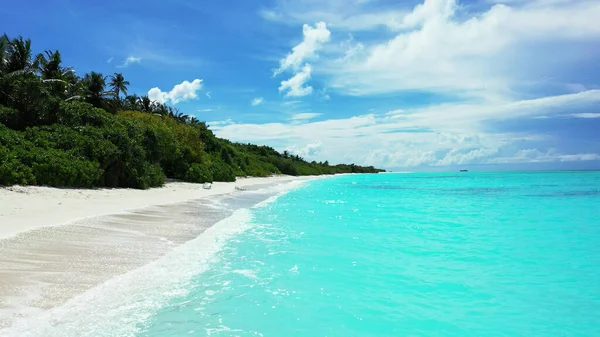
pixel 314 38
pixel 586 115
pixel 438 135
pixel 297 85
pixel 479 85
pixel 257 101
pixel 497 54
pixel 129 61
pixel 183 91
pixel 304 116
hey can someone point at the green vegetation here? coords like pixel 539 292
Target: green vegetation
pixel 59 129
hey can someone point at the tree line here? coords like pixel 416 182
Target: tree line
pixel 61 129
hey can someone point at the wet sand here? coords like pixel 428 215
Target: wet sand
pixel 44 267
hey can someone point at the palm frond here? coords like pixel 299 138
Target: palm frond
pixel 72 98
pixel 19 73
pixel 54 80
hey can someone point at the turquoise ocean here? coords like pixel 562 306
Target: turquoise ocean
pixel 418 254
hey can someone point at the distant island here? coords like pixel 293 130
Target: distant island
pixel 59 129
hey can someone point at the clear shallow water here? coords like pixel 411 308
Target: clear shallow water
pixel 465 254
pixel 470 254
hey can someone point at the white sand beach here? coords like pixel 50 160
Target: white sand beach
pixel 26 208
pixel 58 243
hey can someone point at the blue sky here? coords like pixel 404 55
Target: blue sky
pixel 408 85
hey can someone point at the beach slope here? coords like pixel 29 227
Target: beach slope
pixel 58 243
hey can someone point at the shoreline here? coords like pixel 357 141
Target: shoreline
pixel 57 244
pixel 26 208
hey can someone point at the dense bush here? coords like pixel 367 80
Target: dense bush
pixel 12 171
pixel 221 171
pixel 199 173
pixel 80 113
pixel 57 168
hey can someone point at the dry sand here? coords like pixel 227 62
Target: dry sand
pixel 58 243
pixel 31 207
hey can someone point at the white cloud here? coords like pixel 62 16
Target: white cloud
pixel 110 60
pixel 485 66
pixel 208 94
pixel 206 110
pixel 308 152
pixel 439 135
pixel 296 86
pixel 314 38
pixel 537 156
pixel 304 116
pixel 257 101
pixel 462 157
pixel 221 123
pixel 183 91
pixel 587 115
pixel 129 61
pixel 445 47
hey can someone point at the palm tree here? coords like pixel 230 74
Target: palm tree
pixel 118 84
pixel 146 104
pixel 17 59
pixel 94 85
pixel 4 45
pixel 132 102
pixel 49 65
pixel 62 79
pixel 193 121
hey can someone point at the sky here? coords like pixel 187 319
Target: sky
pixel 399 84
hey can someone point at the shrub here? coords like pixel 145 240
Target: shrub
pixel 12 171
pixel 80 113
pixel 10 117
pixel 151 175
pixel 221 171
pixel 199 174
pixel 57 168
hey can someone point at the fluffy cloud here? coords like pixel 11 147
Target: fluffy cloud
pixel 257 101
pixel 309 152
pixel 183 91
pixel 441 46
pixel 484 68
pixel 314 38
pixel 296 86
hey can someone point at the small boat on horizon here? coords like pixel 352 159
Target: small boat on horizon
pixel 464 170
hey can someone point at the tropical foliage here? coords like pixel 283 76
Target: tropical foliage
pixel 60 129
